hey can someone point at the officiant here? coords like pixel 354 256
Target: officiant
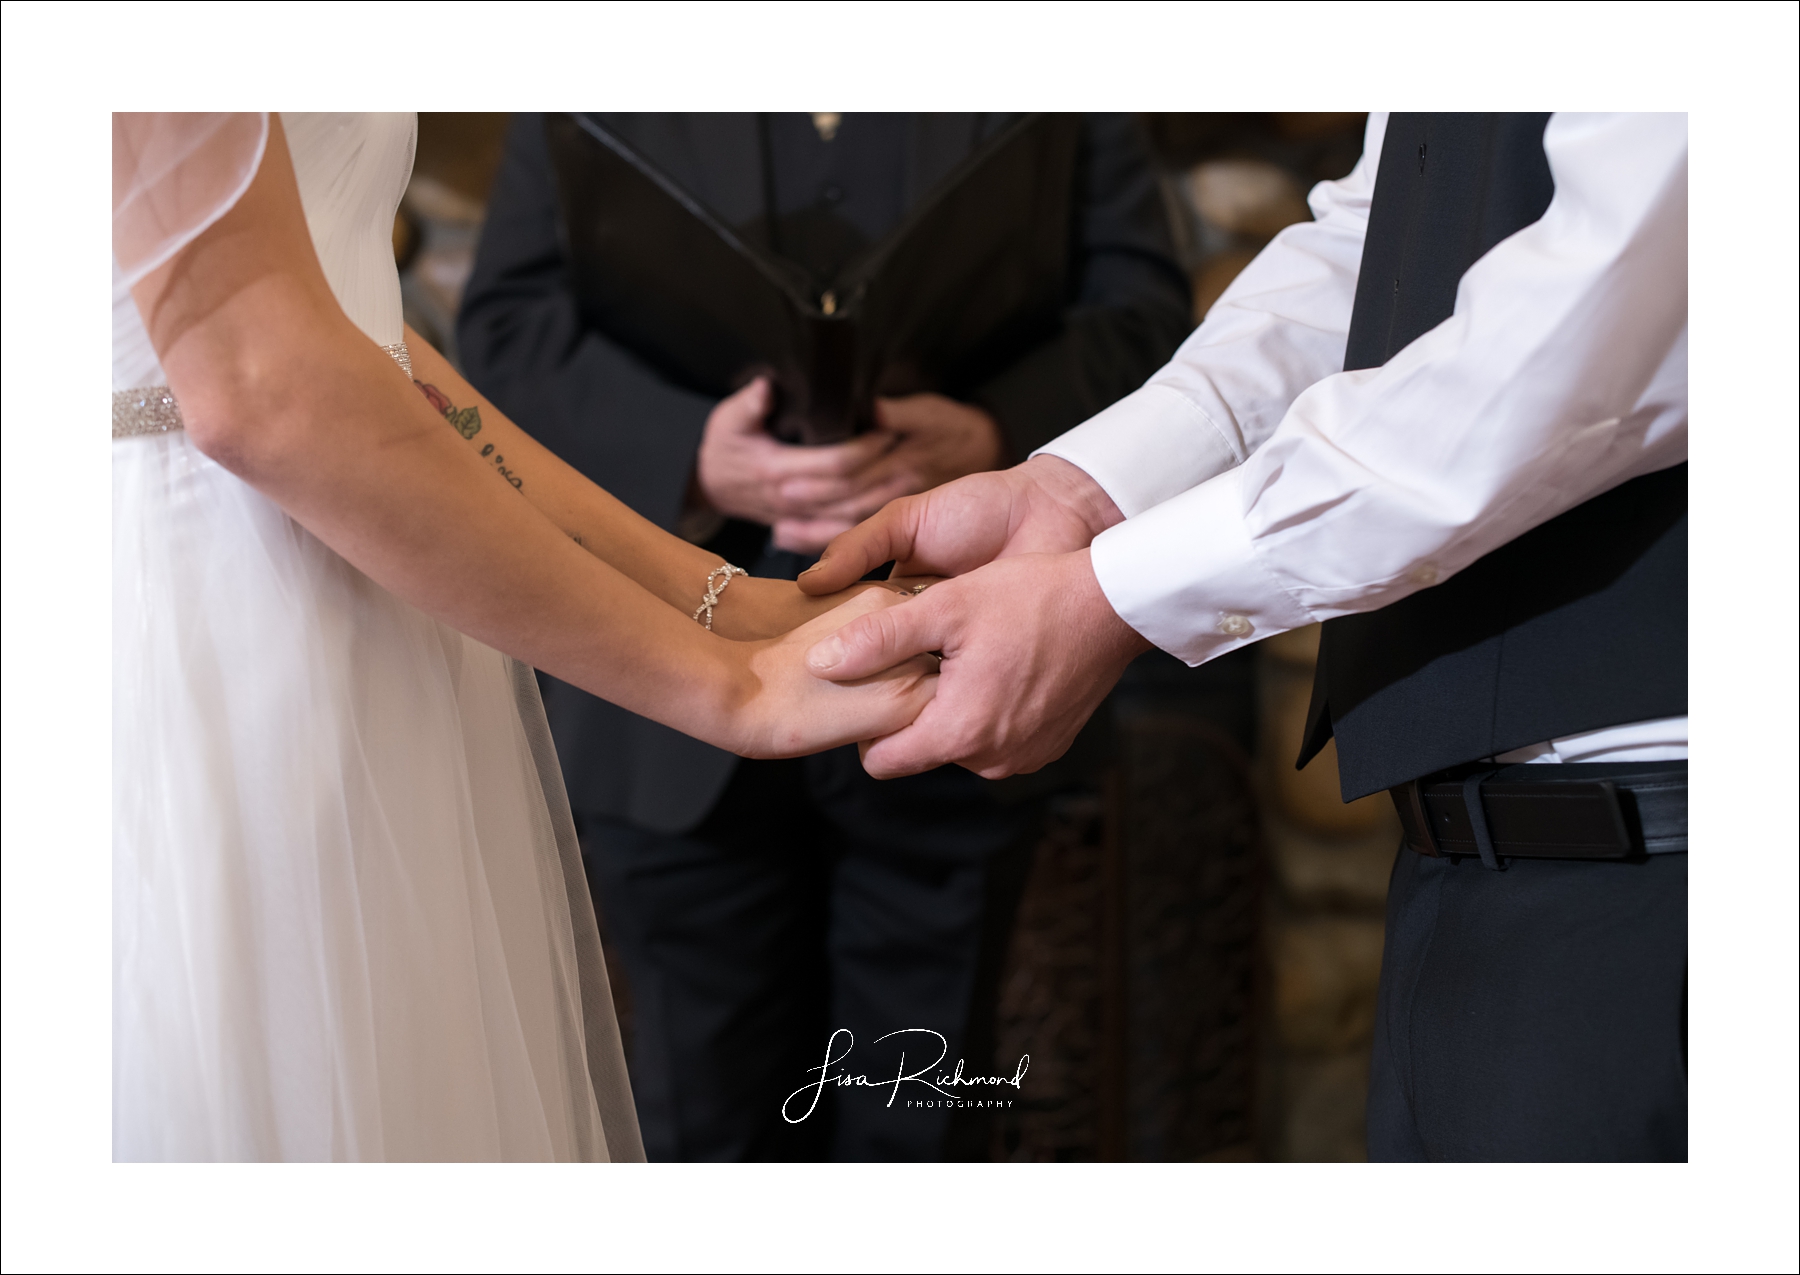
pixel 761 905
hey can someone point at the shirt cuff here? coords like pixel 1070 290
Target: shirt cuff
pixel 1186 576
pixel 1152 444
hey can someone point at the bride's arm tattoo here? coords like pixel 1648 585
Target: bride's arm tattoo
pixel 467 422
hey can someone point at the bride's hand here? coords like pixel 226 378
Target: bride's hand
pixel 790 712
pixel 767 608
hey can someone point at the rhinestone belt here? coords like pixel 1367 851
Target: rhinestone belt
pixel 153 409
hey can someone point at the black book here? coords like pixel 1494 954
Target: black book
pixel 975 273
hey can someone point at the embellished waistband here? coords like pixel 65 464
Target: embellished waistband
pixel 152 409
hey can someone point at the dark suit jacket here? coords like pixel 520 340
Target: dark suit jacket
pixel 606 412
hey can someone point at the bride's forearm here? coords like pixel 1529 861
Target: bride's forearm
pixel 336 437
pixel 332 433
pixel 669 567
pixel 355 454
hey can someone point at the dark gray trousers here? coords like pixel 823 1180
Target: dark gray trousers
pixel 1538 1013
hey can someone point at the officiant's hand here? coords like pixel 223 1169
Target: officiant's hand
pixel 934 440
pixel 1045 505
pixel 810 494
pixel 1030 646
pixel 745 472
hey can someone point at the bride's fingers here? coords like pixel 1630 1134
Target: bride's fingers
pixel 900 694
pixel 826 714
pixel 804 713
pixel 922 696
pixel 881 637
pixel 864 602
pixel 905 691
pixel 919 666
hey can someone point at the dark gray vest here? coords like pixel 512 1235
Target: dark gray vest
pixel 1578 624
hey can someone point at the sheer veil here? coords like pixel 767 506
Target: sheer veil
pixel 175 174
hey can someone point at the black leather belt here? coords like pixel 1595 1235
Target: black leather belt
pixel 1581 811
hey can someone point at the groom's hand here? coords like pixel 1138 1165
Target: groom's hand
pixel 1045 505
pixel 1030 647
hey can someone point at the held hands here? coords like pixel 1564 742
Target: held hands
pixel 787 712
pixel 1030 644
pixel 810 494
pixel 1030 647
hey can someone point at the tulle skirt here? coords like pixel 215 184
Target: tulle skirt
pixel 349 918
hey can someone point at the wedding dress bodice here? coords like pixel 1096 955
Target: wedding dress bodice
pixel 352 170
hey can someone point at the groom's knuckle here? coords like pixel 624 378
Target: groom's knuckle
pixel 864 638
pixel 888 633
pixel 928 753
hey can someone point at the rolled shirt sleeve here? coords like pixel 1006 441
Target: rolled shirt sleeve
pixel 1279 327
pixel 1561 373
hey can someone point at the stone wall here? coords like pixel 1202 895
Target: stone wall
pixel 1328 867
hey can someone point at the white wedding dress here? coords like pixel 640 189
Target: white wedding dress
pixel 349 917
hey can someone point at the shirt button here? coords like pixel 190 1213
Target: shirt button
pixel 1231 624
pixel 1424 573
pixel 832 193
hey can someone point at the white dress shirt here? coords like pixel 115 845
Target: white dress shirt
pixel 1265 488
